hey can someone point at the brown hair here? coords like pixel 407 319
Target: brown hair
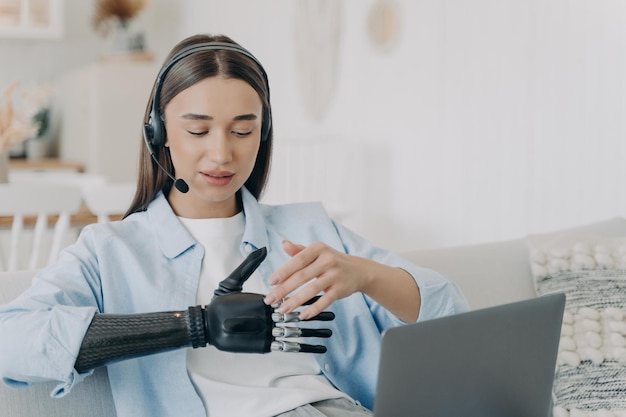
pixel 183 74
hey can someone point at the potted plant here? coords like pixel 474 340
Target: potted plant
pixel 38 145
pixel 24 116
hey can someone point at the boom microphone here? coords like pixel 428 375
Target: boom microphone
pixel 179 183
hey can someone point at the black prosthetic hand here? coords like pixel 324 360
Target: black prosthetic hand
pixel 243 323
pixel 233 321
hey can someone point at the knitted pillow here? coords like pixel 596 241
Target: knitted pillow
pixel 590 379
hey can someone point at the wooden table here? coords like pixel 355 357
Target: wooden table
pixel 79 219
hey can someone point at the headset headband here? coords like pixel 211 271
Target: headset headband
pixel 206 46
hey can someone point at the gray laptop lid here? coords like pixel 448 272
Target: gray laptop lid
pixel 493 362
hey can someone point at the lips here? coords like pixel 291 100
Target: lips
pixel 218 174
pixel 219 178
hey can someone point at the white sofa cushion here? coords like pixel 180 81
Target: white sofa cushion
pixel 591 270
pixel 488 274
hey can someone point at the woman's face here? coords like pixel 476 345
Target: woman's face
pixel 213 133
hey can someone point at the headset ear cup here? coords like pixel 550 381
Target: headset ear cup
pixel 159 134
pixel 157 129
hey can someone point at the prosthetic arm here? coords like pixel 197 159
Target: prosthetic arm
pixel 234 321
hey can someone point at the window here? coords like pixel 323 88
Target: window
pixel 31 18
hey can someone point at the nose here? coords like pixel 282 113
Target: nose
pixel 219 148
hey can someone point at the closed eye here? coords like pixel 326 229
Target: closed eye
pixel 242 134
pixel 198 133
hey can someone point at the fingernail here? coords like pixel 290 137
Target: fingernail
pixel 304 314
pixel 269 299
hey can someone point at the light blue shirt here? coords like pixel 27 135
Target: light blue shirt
pixel 149 262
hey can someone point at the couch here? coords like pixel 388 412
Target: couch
pixel 489 274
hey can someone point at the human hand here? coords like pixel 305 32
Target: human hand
pixel 326 270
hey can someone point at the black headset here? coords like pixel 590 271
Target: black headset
pixel 154 133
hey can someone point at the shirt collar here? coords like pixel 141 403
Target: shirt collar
pixel 255 231
pixel 174 238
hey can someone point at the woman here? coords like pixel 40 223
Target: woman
pixel 194 218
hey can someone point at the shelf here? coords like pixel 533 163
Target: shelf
pixel 45 164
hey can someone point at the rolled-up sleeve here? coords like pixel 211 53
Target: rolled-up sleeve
pixel 42 346
pixel 439 295
pixel 42 329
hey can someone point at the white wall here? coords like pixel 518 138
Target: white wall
pixel 490 119
pixel 43 60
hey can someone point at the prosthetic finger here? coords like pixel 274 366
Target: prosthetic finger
pixel 234 282
pixel 294 316
pixel 298 332
pixel 282 346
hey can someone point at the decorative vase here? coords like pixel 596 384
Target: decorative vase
pixel 121 38
pixel 4 166
pixel 37 148
pixel 17 151
pixel 125 40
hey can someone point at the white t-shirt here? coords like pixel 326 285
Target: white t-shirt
pixel 233 384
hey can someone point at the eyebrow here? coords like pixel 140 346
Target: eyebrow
pixel 194 116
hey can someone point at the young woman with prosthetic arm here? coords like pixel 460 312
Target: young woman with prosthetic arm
pixel 206 149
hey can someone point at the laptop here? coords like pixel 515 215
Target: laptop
pixel 493 362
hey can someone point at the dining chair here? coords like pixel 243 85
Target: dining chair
pixel 109 199
pixel 52 205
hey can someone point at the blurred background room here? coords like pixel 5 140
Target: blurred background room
pixel 418 123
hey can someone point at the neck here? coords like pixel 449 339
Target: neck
pixel 192 207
